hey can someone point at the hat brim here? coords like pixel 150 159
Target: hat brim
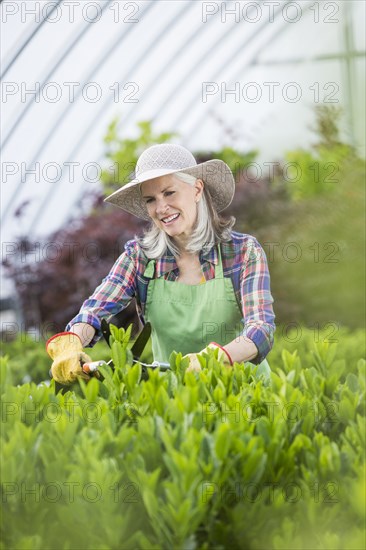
pixel 215 174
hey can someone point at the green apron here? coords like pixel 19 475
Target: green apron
pixel 186 318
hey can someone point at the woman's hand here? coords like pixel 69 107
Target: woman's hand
pixel 68 357
pixel 195 365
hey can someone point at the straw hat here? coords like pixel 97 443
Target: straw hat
pixel 166 158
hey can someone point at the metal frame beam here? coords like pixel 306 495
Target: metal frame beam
pixel 20 48
pixel 116 43
pixel 105 105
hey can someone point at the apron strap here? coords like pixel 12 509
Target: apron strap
pixel 219 268
pixel 150 269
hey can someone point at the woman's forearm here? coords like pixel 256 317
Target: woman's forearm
pixel 84 331
pixel 241 349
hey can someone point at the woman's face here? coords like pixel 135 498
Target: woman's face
pixel 172 205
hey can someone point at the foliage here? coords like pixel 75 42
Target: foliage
pixel 68 267
pixel 315 246
pixel 316 255
pixel 216 459
pixel 236 160
pixel 317 171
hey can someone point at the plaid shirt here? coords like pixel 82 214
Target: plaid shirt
pixel 244 261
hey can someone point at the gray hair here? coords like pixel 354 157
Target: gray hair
pixel 210 229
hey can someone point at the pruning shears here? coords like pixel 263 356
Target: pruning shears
pixel 137 349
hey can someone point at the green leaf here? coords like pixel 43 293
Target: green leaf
pixel 223 441
pixel 161 401
pixel 352 382
pixel 254 467
pixel 133 377
pixel 119 355
pixel 91 390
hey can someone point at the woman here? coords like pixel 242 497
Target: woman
pixel 199 283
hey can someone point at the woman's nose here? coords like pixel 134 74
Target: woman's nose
pixel 161 206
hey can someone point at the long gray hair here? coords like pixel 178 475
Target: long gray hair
pixel 210 228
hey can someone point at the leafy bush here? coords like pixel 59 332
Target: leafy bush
pixel 316 256
pixel 216 459
pixel 316 172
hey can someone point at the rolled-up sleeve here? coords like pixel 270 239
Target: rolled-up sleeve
pixel 110 297
pixel 256 298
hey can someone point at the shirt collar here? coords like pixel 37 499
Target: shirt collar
pixel 165 264
pixel 210 255
pixel 168 263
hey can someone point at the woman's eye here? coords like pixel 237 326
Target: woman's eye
pixel 148 200
pixel 169 192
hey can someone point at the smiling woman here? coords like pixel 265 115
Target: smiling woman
pixel 187 198
pixel 200 284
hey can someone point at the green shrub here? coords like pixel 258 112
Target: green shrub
pixel 216 459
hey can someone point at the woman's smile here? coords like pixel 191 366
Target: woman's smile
pixel 170 219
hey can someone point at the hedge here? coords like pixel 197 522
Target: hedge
pixel 211 460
